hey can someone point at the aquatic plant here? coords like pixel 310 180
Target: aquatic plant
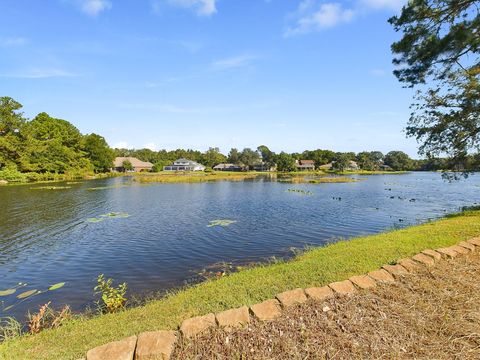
pixel 110 215
pixel 300 191
pixel 112 298
pixel 222 223
pixel 56 286
pixel 50 188
pixel 28 293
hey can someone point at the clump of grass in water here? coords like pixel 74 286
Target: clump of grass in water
pixel 300 191
pixel 222 223
pixel 111 215
pixel 51 188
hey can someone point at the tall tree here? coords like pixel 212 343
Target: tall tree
pixel 213 157
pixel 439 55
pixel 285 162
pixel 11 125
pixel 398 160
pixel 268 156
pixel 233 156
pixel 98 151
pixel 249 157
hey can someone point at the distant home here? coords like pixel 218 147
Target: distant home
pixel 137 165
pixel 227 167
pixel 305 165
pixel 184 165
pixel 263 167
pixel 352 166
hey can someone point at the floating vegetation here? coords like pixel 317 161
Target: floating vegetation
pixel 222 223
pixel 28 293
pixel 110 215
pixel 56 286
pixel 300 191
pixel 73 182
pixel 7 292
pixel 50 188
pixel 109 187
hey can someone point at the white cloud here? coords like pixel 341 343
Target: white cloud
pixel 13 41
pixel 40 74
pixel 200 7
pixel 151 145
pixel 315 17
pixel 94 7
pixel 233 62
pixel 384 4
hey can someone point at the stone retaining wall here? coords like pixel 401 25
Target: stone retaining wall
pixel 160 344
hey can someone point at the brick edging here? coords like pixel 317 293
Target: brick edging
pixel 160 344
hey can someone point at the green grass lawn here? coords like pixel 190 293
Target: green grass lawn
pixel 316 267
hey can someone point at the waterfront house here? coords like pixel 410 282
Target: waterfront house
pixel 227 167
pixel 352 166
pixel 137 165
pixel 184 165
pixel 305 165
pixel 263 167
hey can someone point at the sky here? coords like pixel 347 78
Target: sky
pixel 168 74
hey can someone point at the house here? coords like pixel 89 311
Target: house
pixel 352 166
pixel 384 167
pixel 263 167
pixel 305 165
pixel 137 165
pixel 184 165
pixel 227 167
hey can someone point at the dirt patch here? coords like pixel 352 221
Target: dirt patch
pixel 434 314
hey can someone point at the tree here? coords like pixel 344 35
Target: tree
pixel 249 157
pixel 268 157
pixel 11 125
pixel 213 157
pixel 98 151
pixel 369 160
pixel 233 156
pixel 440 47
pixel 285 162
pixel 398 160
pixel 127 165
pixel 342 161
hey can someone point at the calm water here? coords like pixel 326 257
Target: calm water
pixel 45 237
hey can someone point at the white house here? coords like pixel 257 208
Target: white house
pixel 184 165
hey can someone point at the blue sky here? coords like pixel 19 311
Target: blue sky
pixel 290 74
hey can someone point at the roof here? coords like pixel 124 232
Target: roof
pixel 189 162
pixel 307 162
pixel 118 162
pixel 226 166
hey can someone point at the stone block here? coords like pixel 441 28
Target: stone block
pixel 467 245
pixel 424 259
pixel 233 318
pixel 155 345
pixel 381 276
pixel 363 281
pixel 116 350
pixel 267 310
pixel 292 297
pixel 459 249
pixel 193 326
pixel 432 253
pixel 474 241
pixel 409 264
pixel 343 287
pixel 395 270
pixel 319 293
pixel 447 252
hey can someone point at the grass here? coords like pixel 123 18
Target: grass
pixel 315 267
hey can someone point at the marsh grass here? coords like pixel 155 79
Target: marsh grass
pixel 316 267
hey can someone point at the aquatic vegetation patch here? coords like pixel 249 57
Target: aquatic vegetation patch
pixel 110 215
pixel 299 191
pixel 26 294
pixel 109 187
pixel 50 188
pixel 221 222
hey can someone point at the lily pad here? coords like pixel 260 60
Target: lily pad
pixel 221 222
pixel 95 220
pixel 8 308
pixel 115 215
pixel 27 294
pixel 56 286
pixel 7 292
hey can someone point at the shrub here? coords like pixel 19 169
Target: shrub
pixel 112 298
pixel 47 318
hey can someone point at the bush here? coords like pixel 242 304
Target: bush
pixel 112 298
pixel 47 318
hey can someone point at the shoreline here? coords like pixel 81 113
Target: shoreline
pixel 314 267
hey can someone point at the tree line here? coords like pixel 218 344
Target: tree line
pixel 47 145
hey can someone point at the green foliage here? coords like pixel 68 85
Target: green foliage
pixel 127 165
pixel 212 157
pixel 439 54
pixel 341 162
pixel 285 162
pixel 112 298
pixel 9 328
pixel 233 156
pixel 398 161
pixel 249 157
pixel 99 153
pixel 370 161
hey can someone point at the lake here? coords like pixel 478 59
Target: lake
pixel 52 236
